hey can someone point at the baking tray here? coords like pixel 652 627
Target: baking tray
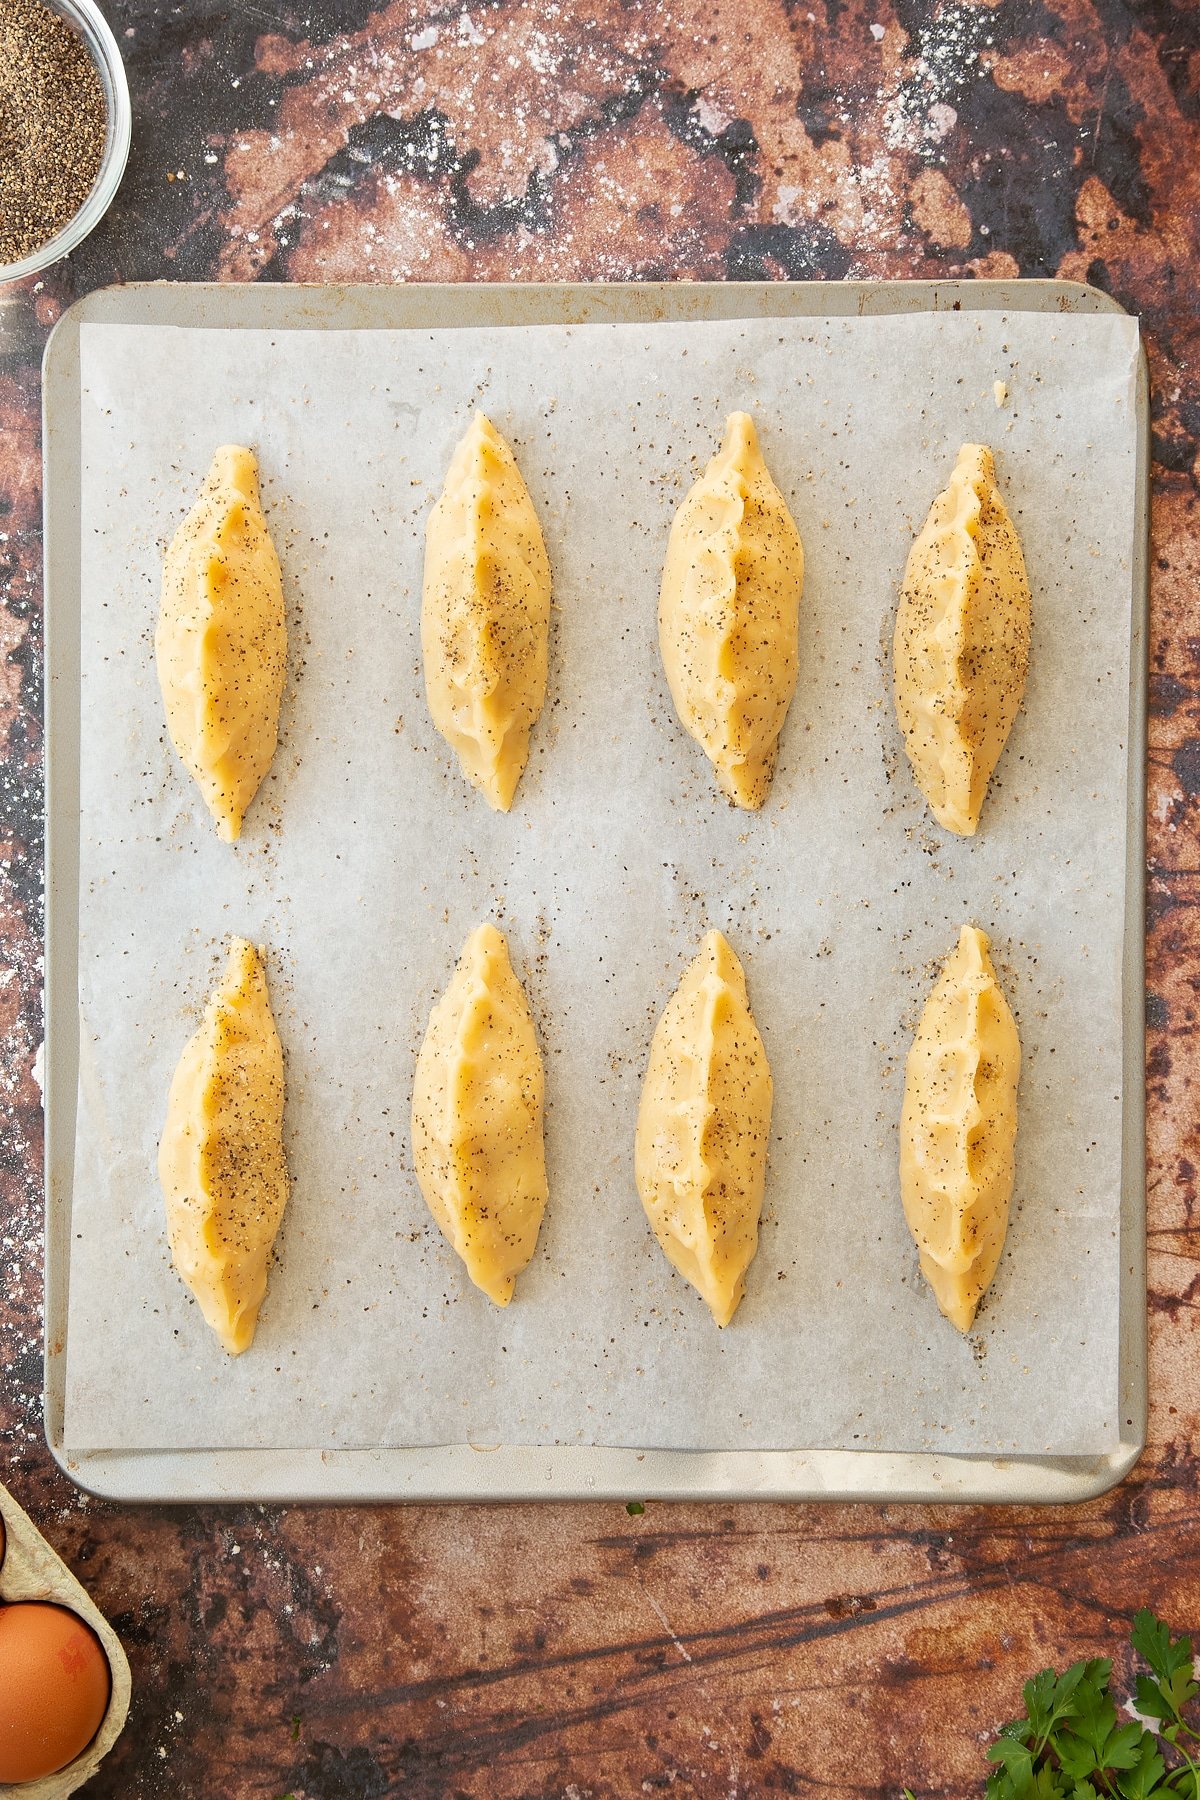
pixel 463 1472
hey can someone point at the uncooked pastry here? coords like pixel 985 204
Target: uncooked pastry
pixel 958 1128
pixel 485 613
pixel 221 642
pixel 221 1160
pixel 700 1156
pixel 729 611
pixel 961 646
pixel 477 1117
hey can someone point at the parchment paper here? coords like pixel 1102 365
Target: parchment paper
pixel 366 860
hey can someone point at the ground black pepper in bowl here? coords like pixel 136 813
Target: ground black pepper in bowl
pixel 53 125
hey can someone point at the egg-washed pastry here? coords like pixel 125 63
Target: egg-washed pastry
pixel 477 1117
pixel 958 1128
pixel 700 1156
pixel 729 614
pixel 485 614
pixel 221 1160
pixel 221 641
pixel 962 642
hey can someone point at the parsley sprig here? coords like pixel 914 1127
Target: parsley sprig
pixel 1071 1744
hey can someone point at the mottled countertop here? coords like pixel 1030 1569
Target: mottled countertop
pixel 581 1651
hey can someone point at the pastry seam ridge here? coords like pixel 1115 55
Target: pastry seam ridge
pixel 725 542
pixel 973 1161
pixel 478 688
pixel 707 1117
pixel 224 1172
pixel 221 639
pixel 681 1172
pixel 953 745
pixel 485 1021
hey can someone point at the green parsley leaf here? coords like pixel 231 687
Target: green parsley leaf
pixel 1152 1703
pixel 1098 1737
pixel 634 1508
pixel 1124 1746
pixel 1076 1755
pixel 1171 1660
pixel 1155 1645
pixel 1018 1766
pixel 1142 1780
pixel 1094 1687
pixel 1049 1699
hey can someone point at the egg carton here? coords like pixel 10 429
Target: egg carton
pixel 31 1570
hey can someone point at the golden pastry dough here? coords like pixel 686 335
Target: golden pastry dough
pixel 221 642
pixel 477 1117
pixel 958 1128
pixel 700 1156
pixel 485 614
pixel 728 614
pixel 962 642
pixel 221 1161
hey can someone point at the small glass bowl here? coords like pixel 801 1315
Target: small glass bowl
pixel 93 28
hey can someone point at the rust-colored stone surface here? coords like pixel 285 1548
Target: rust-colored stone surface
pixel 555 1652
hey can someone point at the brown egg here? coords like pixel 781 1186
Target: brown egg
pixel 54 1688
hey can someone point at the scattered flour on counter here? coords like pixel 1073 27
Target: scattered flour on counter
pixel 713 118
